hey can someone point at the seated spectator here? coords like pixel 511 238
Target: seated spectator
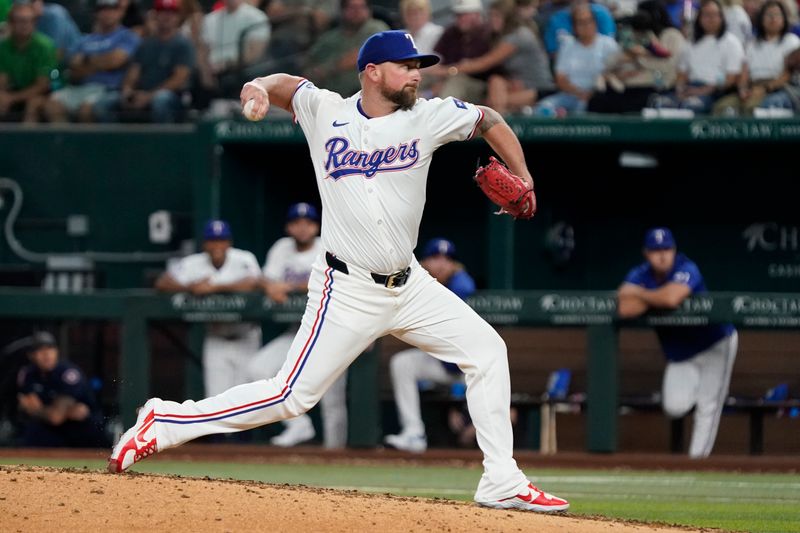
pixel 416 17
pixel 56 400
pixel 710 66
pixel 764 75
pixel 646 65
pixel 56 22
pixel 737 20
pixel 468 37
pixel 26 59
pixel 332 60
pixel 232 37
pixel 560 27
pixel 159 72
pixel 579 65
pixel 96 66
pixel 518 51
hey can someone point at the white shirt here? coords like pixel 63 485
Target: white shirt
pixel 238 265
pixel 285 263
pixel 427 37
pixel 765 58
pixel 372 172
pixel 583 64
pixel 710 60
pixel 222 31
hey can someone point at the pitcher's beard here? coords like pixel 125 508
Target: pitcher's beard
pixel 405 98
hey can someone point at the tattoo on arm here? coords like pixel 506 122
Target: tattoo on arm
pixel 490 119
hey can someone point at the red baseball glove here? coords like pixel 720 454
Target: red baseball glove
pixel 507 190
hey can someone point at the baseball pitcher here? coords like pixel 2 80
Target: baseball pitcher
pixel 371 153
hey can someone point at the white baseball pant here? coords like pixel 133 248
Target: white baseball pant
pixel 269 360
pixel 406 369
pixel 225 360
pixel 701 382
pixel 344 314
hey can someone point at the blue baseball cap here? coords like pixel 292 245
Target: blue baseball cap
pixel 302 210
pixel 659 239
pixel 439 247
pixel 217 230
pixel 392 45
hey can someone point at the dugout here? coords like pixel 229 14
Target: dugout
pixel 725 187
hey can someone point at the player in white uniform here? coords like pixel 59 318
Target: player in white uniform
pixel 227 347
pixel 286 270
pixel 371 153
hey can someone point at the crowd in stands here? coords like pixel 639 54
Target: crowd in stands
pixel 170 60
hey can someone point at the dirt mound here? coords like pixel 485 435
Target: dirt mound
pixel 49 499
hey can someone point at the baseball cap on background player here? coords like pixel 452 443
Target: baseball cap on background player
pixel 439 246
pixel 392 45
pixel 217 230
pixel 659 239
pixel 302 210
pixel 39 340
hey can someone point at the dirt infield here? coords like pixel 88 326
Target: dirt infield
pixel 49 499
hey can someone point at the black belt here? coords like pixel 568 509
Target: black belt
pixel 391 281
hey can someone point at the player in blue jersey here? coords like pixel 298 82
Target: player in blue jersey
pixel 699 358
pixel 411 366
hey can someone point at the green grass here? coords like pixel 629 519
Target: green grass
pixel 732 501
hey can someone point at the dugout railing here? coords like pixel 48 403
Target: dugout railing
pixel 594 310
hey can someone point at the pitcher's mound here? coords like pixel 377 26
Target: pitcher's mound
pixel 49 499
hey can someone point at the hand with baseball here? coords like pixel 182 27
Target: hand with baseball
pixel 255 101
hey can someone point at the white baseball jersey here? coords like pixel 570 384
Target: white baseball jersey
pixel 372 172
pixel 285 263
pixel 239 265
pixel 372 175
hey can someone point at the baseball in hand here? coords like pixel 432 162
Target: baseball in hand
pixel 249 110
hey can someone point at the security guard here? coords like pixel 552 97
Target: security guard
pixel 56 400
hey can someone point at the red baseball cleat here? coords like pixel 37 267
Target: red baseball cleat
pixel 138 443
pixel 534 500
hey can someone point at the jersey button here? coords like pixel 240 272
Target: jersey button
pixel 369 190
pixel 380 222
